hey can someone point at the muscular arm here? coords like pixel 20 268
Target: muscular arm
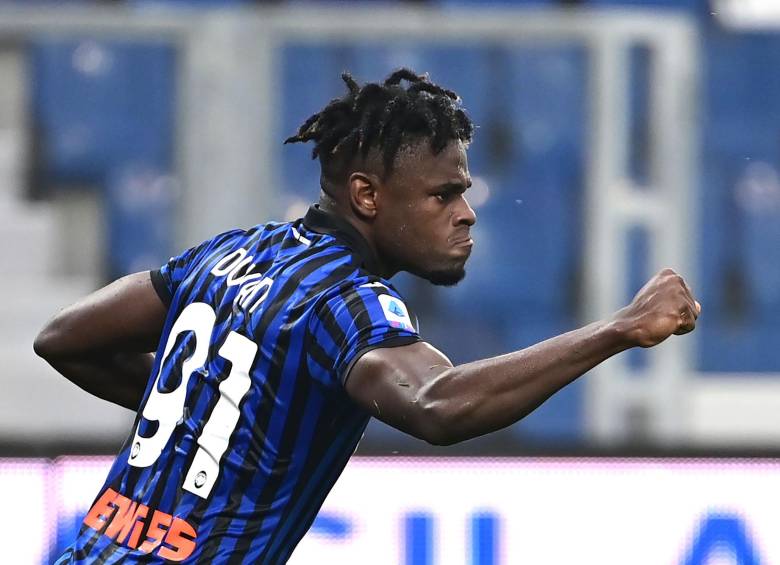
pixel 416 389
pixel 103 342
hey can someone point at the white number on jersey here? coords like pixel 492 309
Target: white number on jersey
pixel 167 408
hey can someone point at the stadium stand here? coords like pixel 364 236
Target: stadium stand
pixel 104 114
pixel 100 108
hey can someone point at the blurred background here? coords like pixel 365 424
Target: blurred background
pixel 615 137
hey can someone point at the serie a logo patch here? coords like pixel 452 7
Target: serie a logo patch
pixel 396 312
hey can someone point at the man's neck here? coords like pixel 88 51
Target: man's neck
pixel 332 206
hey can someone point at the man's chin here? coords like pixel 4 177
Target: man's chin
pixel 450 277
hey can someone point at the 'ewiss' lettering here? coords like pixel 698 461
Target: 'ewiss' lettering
pixel 238 267
pixel 123 520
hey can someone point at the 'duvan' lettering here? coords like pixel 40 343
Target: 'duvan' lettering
pixel 238 267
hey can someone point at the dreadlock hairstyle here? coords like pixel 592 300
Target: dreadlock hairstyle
pixel 384 116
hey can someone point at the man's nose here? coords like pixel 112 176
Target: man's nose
pixel 464 214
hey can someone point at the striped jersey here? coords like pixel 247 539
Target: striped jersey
pixel 245 424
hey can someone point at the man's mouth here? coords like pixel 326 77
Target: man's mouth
pixel 466 241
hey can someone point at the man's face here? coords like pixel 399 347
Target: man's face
pixel 423 220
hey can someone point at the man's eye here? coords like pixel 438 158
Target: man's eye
pixel 442 196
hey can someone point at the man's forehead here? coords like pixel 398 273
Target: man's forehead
pixel 419 160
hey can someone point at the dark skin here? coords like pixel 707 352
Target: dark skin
pixel 103 343
pixel 416 219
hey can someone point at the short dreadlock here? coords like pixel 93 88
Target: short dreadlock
pixel 384 116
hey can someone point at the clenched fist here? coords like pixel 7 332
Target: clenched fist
pixel 664 306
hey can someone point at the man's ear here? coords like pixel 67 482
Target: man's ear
pixel 363 194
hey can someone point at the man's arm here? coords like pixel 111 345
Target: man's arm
pixel 416 389
pixel 103 342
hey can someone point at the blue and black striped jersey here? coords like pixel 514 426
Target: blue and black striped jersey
pixel 245 424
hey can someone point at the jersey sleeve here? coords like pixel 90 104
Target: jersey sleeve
pixel 353 322
pixel 167 278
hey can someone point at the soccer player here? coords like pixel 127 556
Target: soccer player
pixel 276 344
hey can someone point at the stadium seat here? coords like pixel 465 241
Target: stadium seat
pixel 96 105
pixel 743 347
pixel 739 262
pixel 758 202
pixel 189 3
pixel 103 113
pixel 469 71
pixel 738 274
pixel 527 233
pixel 544 180
pixel 731 134
pixel 503 3
pixel 682 4
pixel 139 216
pixel 310 76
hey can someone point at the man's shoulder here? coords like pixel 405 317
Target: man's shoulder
pixel 248 233
pixel 231 240
pixel 358 285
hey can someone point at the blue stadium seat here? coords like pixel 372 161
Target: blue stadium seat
pixel 139 215
pixel 371 62
pixel 758 203
pixel 549 113
pixel 527 234
pixel 310 76
pixel 716 234
pixel 190 3
pixel 700 9
pixel 745 347
pixel 104 114
pixel 469 72
pixel 683 4
pixel 98 104
pixel 739 262
pixel 732 135
pixel 479 3
pixel 739 277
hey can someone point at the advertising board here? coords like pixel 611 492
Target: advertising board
pixel 455 511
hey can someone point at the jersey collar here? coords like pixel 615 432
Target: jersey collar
pixel 320 221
